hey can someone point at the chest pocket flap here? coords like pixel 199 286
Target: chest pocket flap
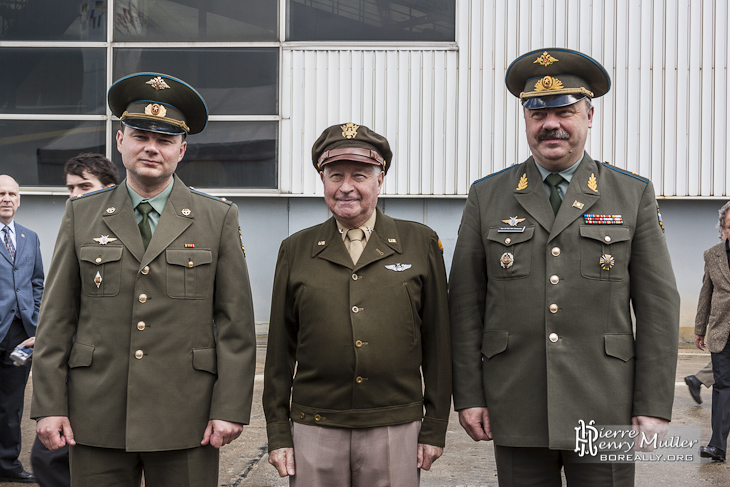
pixel 188 257
pixel 511 238
pixel 99 255
pixel 606 234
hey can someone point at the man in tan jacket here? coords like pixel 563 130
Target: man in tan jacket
pixel 146 346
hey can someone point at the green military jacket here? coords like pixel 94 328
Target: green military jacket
pixel 541 305
pixel 360 337
pixel 141 348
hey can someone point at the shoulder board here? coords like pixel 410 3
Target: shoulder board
pixel 195 191
pixel 494 174
pixel 85 195
pixel 627 173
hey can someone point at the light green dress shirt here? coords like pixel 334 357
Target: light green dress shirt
pixel 158 204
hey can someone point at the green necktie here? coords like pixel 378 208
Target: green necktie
pixel 553 180
pixel 144 226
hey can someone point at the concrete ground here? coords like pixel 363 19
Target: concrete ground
pixel 464 463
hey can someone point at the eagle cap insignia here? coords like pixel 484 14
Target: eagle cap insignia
pixel 349 130
pixel 155 109
pixel 545 59
pixel 593 183
pixel 523 182
pixel 104 239
pixel 513 221
pixel 158 83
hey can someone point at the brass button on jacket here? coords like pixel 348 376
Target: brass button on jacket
pixel 138 354
pixel 142 298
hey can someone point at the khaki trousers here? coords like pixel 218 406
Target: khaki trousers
pixel 109 467
pixel 370 457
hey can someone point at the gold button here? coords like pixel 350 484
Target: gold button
pixel 358 343
pixel 553 308
pixel 354 277
pixel 317 418
pixel 301 415
pixel 554 279
pixel 555 251
pixel 190 264
pixel 141 325
pixel 359 380
pixel 98 260
pixel 553 337
pixel 142 298
pixel 146 270
pixel 138 354
pixel 507 240
pixel 607 238
pixel 355 309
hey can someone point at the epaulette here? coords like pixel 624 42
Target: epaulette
pixel 222 200
pixel 494 174
pixel 85 195
pixel 627 173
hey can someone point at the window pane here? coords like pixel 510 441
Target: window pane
pixel 196 20
pixel 57 20
pixel 70 81
pixel 371 20
pixel 232 81
pixel 34 152
pixel 230 155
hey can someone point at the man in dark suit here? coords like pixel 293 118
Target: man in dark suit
pixel 552 256
pixel 146 345
pixel 21 288
pixel 361 309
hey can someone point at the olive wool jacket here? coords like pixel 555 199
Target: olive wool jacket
pixel 140 348
pixel 541 305
pixel 348 342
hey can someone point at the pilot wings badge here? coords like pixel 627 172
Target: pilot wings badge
pixel 398 267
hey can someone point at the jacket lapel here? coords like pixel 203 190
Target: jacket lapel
pixel 20 241
pixel 583 192
pixel 328 245
pixel 533 197
pixel 720 257
pixel 119 217
pixel 172 222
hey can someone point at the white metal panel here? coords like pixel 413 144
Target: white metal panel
pixel 451 120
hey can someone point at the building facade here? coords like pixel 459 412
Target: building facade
pixel 427 74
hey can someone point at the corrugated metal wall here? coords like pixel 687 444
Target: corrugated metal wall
pixel 447 113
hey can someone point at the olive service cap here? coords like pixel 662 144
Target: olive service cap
pixel 350 142
pixel 158 103
pixel 555 77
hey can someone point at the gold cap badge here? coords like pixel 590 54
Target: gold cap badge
pixel 155 109
pixel 349 130
pixel 545 59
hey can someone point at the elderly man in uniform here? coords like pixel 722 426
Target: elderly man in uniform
pixel 146 345
pixel 359 324
pixel 552 256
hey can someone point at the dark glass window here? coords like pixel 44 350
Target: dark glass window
pixel 196 20
pixel 34 152
pixel 371 20
pixel 44 80
pixel 232 81
pixel 56 20
pixel 229 155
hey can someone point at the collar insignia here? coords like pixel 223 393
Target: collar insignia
pixel 523 182
pixel 592 183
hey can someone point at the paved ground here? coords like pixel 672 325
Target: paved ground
pixel 464 463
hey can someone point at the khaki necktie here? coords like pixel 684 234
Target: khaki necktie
pixel 144 226
pixel 355 235
pixel 553 181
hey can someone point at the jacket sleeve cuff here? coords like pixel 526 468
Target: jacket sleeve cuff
pixel 279 435
pixel 433 432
